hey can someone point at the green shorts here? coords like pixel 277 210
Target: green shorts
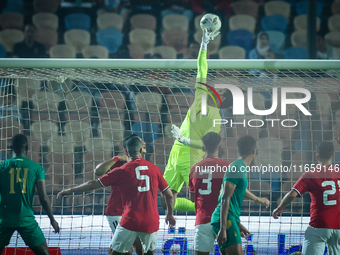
pixel 32 235
pixel 233 233
pixel 177 170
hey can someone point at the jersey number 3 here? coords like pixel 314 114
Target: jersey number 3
pixel 329 192
pixel 16 178
pixel 141 177
pixel 207 181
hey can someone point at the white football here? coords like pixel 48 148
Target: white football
pixel 210 22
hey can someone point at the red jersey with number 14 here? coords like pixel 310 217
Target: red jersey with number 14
pixel 205 181
pixel 114 206
pixel 323 188
pixel 139 181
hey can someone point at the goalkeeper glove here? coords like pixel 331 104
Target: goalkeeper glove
pixel 177 134
pixel 208 37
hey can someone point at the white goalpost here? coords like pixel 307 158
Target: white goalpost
pixel 76 113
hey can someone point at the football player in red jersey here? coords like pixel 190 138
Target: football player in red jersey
pixel 114 207
pixel 323 184
pixel 139 181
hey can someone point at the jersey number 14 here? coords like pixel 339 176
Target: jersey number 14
pixel 15 178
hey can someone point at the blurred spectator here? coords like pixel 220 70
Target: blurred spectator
pixel 270 54
pixel 262 46
pixel 216 6
pixel 113 5
pixel 156 56
pixel 177 7
pixel 191 52
pixel 9 108
pixel 29 48
pixel 325 51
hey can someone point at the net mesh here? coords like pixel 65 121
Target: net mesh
pixel 77 118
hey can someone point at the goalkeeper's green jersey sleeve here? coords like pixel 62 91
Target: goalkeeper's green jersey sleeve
pixel 195 125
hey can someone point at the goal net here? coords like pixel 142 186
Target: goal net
pixel 77 112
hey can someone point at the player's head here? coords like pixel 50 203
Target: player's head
pixel 226 98
pixel 246 146
pixel 211 142
pixel 134 135
pixel 134 147
pixel 325 152
pixel 19 144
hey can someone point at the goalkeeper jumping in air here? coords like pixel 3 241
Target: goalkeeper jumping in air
pixel 187 148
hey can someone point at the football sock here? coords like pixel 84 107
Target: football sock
pixel 183 204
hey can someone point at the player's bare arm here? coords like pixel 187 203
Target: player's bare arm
pixel 288 198
pixel 260 200
pixel 104 167
pixel 45 203
pixel 87 186
pixel 228 191
pixel 169 218
pixel 243 230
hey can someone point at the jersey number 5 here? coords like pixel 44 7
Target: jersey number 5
pixel 17 179
pixel 141 177
pixel 329 192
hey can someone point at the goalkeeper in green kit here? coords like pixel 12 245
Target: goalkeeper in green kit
pixel 187 148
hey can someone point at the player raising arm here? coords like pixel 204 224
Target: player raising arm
pixel 19 176
pixel 204 185
pixel 323 183
pixel 139 181
pixel 114 207
pixel 187 148
pixel 225 219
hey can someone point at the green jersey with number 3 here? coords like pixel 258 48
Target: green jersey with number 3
pixel 18 177
pixel 237 176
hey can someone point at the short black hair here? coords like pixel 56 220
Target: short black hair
pixel 325 150
pixel 126 139
pixel 19 143
pixel 246 145
pixel 211 142
pixel 133 145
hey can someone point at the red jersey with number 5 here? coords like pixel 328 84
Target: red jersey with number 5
pixel 139 181
pixel 323 188
pixel 114 206
pixel 205 181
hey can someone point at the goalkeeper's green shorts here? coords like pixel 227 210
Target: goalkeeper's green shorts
pixel 177 170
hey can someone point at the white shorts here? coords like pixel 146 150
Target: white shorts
pixel 113 222
pixel 123 240
pixel 316 239
pixel 204 238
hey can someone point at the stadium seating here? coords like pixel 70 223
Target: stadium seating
pixel 175 38
pixel 197 22
pixel 2 51
pixel 334 23
pixel 242 21
pixel 277 8
pixel 176 21
pixel 9 128
pixel 62 51
pixel 213 46
pixel 46 5
pixel 295 53
pixel 78 38
pixel 43 131
pixel 14 6
pixel 45 20
pixel 276 41
pixel 178 106
pixel 136 51
pixel 163 147
pixel 299 38
pixel 246 7
pixel 78 21
pixel 110 20
pixel 336 7
pixel 145 21
pixel 242 38
pixel 78 105
pixel 302 6
pixel 145 37
pixel 9 37
pixel 110 38
pixel 148 106
pixel 300 22
pixel 232 52
pixel 77 132
pixel 112 106
pixel 95 51
pixel 274 22
pixel 45 107
pixel 47 37
pixel 333 39
pixel 166 52
pixel 12 20
pixel 113 131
